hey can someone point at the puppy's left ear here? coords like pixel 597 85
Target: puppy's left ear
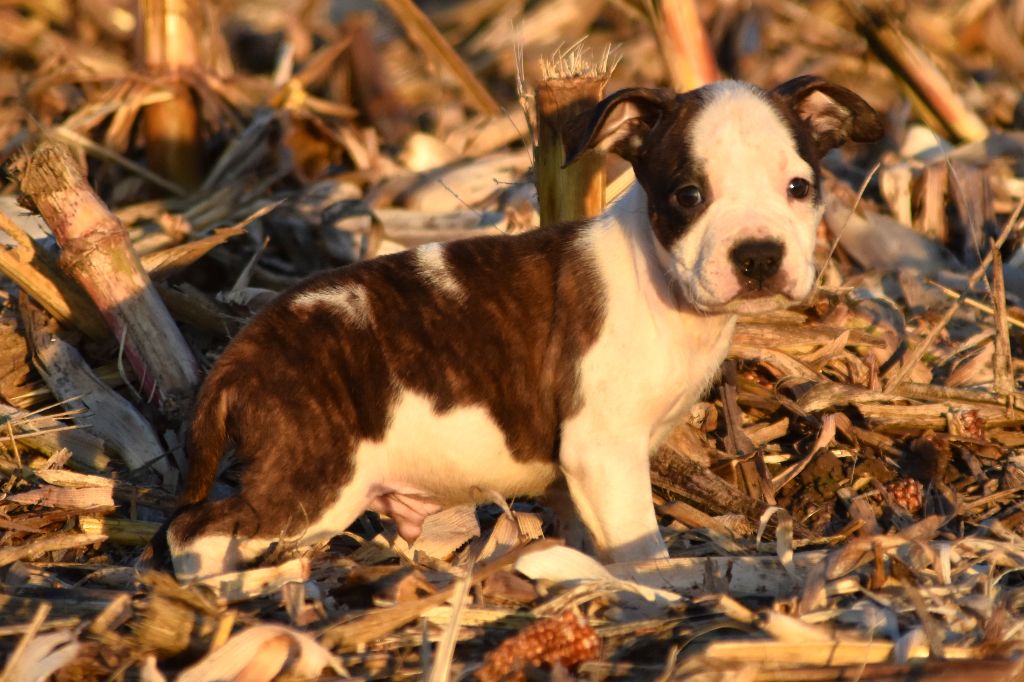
pixel 833 113
pixel 618 123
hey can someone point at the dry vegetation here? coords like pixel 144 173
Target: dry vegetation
pixel 845 505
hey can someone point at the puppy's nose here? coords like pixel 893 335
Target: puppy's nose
pixel 756 261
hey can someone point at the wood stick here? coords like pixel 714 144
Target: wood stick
pixel 51 542
pixel 55 624
pixel 252 583
pixel 684 479
pixel 98 254
pixel 1002 363
pixel 972 303
pixel 49 436
pixel 693 517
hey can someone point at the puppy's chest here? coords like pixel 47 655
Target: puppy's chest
pixel 689 379
pixel 657 362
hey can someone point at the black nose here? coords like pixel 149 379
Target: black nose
pixel 756 260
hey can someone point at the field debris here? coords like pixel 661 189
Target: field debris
pixel 846 504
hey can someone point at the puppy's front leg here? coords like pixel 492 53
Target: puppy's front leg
pixel 610 484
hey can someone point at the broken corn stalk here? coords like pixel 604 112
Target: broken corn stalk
pixel 98 254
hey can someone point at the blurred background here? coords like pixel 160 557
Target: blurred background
pixel 236 147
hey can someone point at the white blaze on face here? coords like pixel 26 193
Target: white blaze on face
pixel 749 156
pixel 432 266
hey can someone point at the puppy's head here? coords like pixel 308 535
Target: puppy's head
pixel 731 176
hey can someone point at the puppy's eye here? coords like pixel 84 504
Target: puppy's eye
pixel 798 188
pixel 689 196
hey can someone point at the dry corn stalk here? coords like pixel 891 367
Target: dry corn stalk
pixel 98 254
pixel 683 42
pixel 1002 363
pixel 168 48
pixel 571 85
pixel 105 412
pixel 119 531
pixel 35 272
pixel 171 626
pixel 929 87
pixel 51 542
pixel 897 374
pixel 423 32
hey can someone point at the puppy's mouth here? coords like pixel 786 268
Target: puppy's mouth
pixel 748 302
pixel 753 302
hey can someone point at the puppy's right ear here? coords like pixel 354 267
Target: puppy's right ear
pixel 618 123
pixel 833 114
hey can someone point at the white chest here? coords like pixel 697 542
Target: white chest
pixel 653 358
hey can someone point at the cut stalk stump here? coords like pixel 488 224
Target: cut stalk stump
pixel 571 86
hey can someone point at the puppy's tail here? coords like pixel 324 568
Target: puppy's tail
pixel 207 439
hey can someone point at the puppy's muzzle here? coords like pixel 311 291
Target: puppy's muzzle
pixel 757 264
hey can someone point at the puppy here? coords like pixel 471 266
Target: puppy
pixel 521 364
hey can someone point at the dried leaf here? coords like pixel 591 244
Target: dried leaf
pixel 260 654
pixel 43 656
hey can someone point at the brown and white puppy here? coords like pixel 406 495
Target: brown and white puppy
pixel 558 357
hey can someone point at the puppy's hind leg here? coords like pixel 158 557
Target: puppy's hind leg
pixel 211 538
pixel 336 516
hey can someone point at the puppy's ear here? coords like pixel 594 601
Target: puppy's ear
pixel 618 123
pixel 833 113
